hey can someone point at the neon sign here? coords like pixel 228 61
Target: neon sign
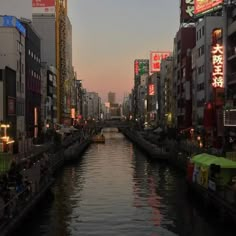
pixel 155 60
pixel 151 89
pixel 141 66
pixel 217 66
pixel 201 6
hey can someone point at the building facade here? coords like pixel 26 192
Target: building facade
pixel 32 81
pixel 12 56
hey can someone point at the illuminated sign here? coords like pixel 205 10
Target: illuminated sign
pixel 141 66
pixel 72 113
pixel 11 21
pixel 155 60
pixel 43 6
pixel 136 70
pixel 186 10
pixel 201 6
pixel 151 89
pixel 217 66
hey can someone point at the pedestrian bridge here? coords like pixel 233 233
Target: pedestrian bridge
pixel 113 124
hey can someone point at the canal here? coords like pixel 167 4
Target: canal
pixel 114 190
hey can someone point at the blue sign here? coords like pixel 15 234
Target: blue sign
pixel 11 21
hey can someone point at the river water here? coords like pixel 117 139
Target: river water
pixel 114 190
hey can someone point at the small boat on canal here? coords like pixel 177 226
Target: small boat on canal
pixel 98 138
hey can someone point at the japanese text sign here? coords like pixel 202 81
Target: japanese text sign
pixel 201 6
pixel 217 66
pixel 151 89
pixel 186 10
pixel 155 60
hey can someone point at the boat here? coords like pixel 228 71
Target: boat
pixel 98 138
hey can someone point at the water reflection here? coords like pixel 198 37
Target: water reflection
pixel 115 190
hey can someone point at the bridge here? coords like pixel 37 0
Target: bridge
pixel 113 124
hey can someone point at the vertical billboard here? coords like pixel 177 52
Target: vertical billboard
pixel 201 6
pixel 217 66
pixel 141 66
pixel 151 89
pixel 43 6
pixel 186 11
pixel 155 60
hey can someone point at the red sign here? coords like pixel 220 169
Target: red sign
pixel 43 3
pixel 43 6
pixel 136 67
pixel 217 66
pixel 151 89
pixel 186 10
pixel 201 6
pixel 155 60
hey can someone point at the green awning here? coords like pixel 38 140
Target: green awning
pixel 206 160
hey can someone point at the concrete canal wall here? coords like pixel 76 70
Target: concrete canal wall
pixel 30 177
pixel 178 155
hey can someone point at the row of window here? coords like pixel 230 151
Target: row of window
pixel 200 51
pixel 200 69
pixel 34 56
pixel 200 33
pixel 35 75
pixel 200 87
pixel 20 109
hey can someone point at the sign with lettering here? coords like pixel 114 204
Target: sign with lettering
pixel 141 66
pixel 151 89
pixel 43 6
pixel 201 6
pixel 155 60
pixel 217 66
pixel 186 11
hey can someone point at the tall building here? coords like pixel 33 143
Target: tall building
pixel 32 81
pixel 48 95
pixel 203 98
pixel 12 61
pixel 94 106
pixel 51 22
pixel 111 97
pixel 44 24
pixel 184 43
pixel 166 92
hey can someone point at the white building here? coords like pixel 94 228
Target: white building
pixel 12 55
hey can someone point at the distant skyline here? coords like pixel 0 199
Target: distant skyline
pixel 108 35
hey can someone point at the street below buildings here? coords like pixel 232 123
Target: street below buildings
pixel 114 190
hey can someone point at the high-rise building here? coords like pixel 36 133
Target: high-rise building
pixel 12 64
pixel 111 97
pixel 32 81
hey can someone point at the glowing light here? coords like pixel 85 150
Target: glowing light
pixel 217 66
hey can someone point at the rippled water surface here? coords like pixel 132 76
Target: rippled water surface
pixel 114 190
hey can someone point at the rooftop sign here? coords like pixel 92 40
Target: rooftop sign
pixel 12 21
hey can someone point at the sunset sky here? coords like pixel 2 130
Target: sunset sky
pixel 108 35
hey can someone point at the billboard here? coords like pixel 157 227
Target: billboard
pixel 141 66
pixel 151 89
pixel 11 21
pixel 43 6
pixel 155 60
pixel 217 66
pixel 186 11
pixel 201 6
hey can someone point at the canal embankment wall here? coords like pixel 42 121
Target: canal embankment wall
pixel 178 155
